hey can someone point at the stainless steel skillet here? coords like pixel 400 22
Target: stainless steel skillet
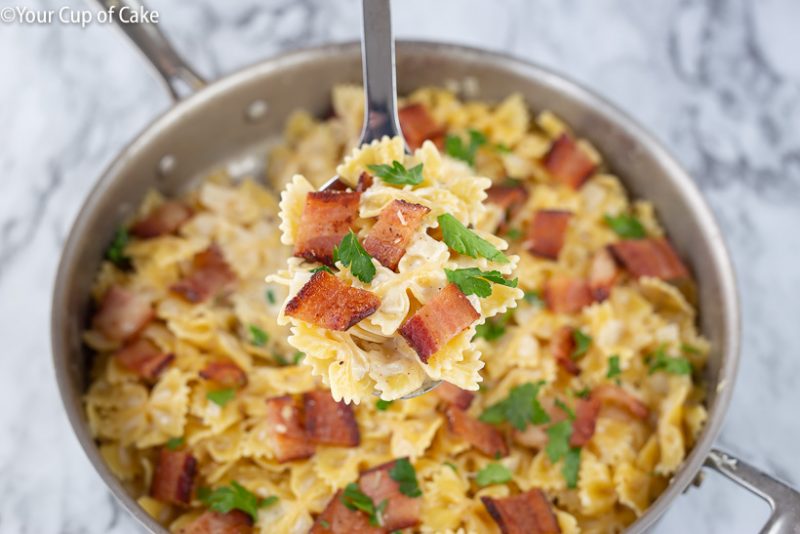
pixel 235 117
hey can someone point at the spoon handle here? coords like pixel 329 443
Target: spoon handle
pixel 377 50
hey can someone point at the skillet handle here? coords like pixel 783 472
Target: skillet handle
pixel 178 76
pixel 782 499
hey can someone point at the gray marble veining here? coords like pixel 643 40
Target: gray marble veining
pixel 718 81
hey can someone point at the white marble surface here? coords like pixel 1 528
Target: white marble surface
pixel 717 81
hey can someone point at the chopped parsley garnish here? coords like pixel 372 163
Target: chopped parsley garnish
pixel 473 281
pixel 582 343
pixel 572 464
pixel 221 397
pixel 493 473
pixel 321 268
pixel 452 466
pixel 297 357
pixel 258 337
pixel 355 499
pixel 467 242
pixel 688 349
pixel 351 254
pixel 493 328
pixel 502 148
pixel 455 147
pixel 234 497
pixel 626 226
pixel 676 365
pixel 174 444
pixel 280 359
pixel 613 367
pixel 382 405
pixel 558 447
pixel 583 393
pixel 514 234
pixel 397 174
pixel 406 477
pixel 534 298
pixel 519 408
pixel 115 253
pixel 564 408
pixel 270 296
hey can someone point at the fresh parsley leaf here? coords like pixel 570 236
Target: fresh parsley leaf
pixel 583 393
pixel 688 349
pixel 351 254
pixel 493 473
pixel 406 477
pixel 473 281
pixel 491 329
pixel 270 296
pixel 520 408
pixel 297 357
pixel 221 397
pixel 582 343
pixel 613 367
pixel 455 146
pixel 534 298
pixel 626 226
pixel 258 337
pixel 174 444
pixel 452 466
pixel 382 405
pixel 279 359
pixel 115 253
pixel 558 440
pixel 397 174
pixel 502 148
pixel 321 268
pixel 234 497
pixel 676 365
pixel 355 499
pixel 467 242
pixel 572 464
pixel 566 409
pixel 514 234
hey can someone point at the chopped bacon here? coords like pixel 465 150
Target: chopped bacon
pixel 547 232
pixel 164 219
pixel 650 257
pixel 339 519
pixel 122 313
pixel 327 217
pixel 210 275
pixel 225 373
pixel 561 346
pixel 289 438
pixel 329 422
pixel 480 435
pixel 396 225
pixel 608 393
pixel 401 510
pixel 586 412
pixel 603 274
pixel 418 126
pixel 454 395
pixel 211 522
pixel 330 303
pixel 144 359
pixel 564 294
pixel 174 477
pixel 568 163
pixel 526 513
pixel 364 182
pixel 437 322
pixel 510 198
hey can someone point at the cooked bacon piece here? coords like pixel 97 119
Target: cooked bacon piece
pixel 225 373
pixel 210 276
pixel 561 345
pixel 122 313
pixel 650 257
pixel 211 522
pixel 401 511
pixel 418 126
pixel 510 198
pixel 330 303
pixel 603 274
pixel 327 217
pixel 480 435
pixel 339 519
pixel 365 181
pixel 336 185
pixel 608 393
pixel 568 163
pixel 164 219
pixel 586 412
pixel 329 422
pixel 173 477
pixel 437 322
pixel 454 395
pixel 396 225
pixel 144 359
pixel 564 294
pixel 547 232
pixel 526 513
pixel 289 438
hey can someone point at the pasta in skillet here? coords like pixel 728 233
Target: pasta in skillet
pixel 590 396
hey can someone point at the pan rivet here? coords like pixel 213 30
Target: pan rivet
pixel 256 110
pixel 166 165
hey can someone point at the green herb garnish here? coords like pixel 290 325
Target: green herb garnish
pixel 572 464
pixel 467 242
pixel 613 367
pixel 355 499
pixel 534 298
pixel 115 253
pixel 491 329
pixel 688 349
pixel 258 337
pixel 297 357
pixel 583 393
pixel 351 254
pixel 520 408
pixel 321 268
pixel 514 234
pixel 676 365
pixel 558 447
pixel 397 174
pixel 493 473
pixel 174 444
pixel 473 281
pixel 234 497
pixel 626 226
pixel 566 409
pixel 270 296
pixel 455 146
pixel 582 343
pixel 221 397
pixel 382 405
pixel 406 477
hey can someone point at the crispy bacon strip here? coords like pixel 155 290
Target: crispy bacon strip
pixel 173 478
pixel 329 422
pixel 547 232
pixel 480 435
pixel 437 322
pixel 225 373
pixel 586 412
pixel 567 163
pixel 561 345
pixel 122 313
pixel 650 257
pixel 510 198
pixel 211 522
pixel 418 126
pixel 327 217
pixel 603 274
pixel 339 519
pixel 526 513
pixel 564 294
pixel 164 219
pixel 330 303
pixel 401 511
pixel 365 181
pixel 454 395
pixel 210 275
pixel 144 359
pixel 288 437
pixel 611 394
pixel 396 225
